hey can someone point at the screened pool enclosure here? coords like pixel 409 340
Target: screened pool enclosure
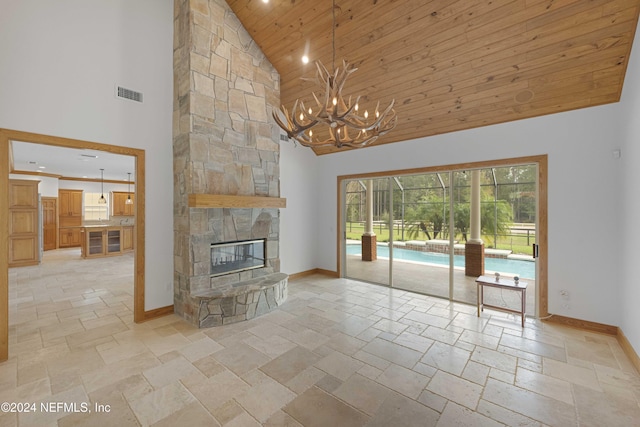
pixel 421 224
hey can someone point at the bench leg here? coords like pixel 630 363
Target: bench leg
pixel 524 304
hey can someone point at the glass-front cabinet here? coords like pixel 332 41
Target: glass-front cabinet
pixel 95 242
pixel 113 241
pixel 102 241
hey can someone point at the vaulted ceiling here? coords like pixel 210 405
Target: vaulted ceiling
pixel 452 65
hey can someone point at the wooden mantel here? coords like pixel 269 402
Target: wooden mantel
pixel 230 201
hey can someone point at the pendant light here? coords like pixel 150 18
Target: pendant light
pixel 102 200
pixel 129 201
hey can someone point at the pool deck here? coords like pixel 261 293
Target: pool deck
pixel 430 279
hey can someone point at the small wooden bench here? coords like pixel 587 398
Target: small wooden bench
pixel 501 283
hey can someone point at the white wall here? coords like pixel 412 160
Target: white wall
pixel 583 192
pixel 630 202
pixel 298 221
pixel 61 62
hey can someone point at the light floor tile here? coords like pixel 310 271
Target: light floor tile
pixel 264 399
pixel 446 357
pixel 403 380
pixel 540 408
pixel 338 352
pixel 193 414
pixel 400 411
pixel 393 352
pixel 505 416
pixel 455 389
pixel 494 359
pixel 339 365
pixel 362 393
pixel 545 385
pixel 461 416
pixel 172 371
pixel 316 408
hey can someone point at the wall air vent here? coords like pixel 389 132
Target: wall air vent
pixel 284 137
pixel 129 94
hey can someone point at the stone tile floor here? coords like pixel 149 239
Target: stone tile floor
pixel 337 353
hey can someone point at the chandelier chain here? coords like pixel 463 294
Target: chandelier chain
pixel 333 36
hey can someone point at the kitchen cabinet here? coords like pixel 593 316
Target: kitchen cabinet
pixel 70 237
pixel 70 208
pixel 120 206
pixel 23 223
pixel 70 203
pixel 101 241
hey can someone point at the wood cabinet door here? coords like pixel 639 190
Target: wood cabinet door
pixel 65 203
pixel 70 203
pixel 70 237
pixel 23 193
pixel 23 223
pixel 127 238
pixel 23 251
pixel 128 208
pixel 120 206
pixel 65 238
pixel 49 223
pixel 75 203
pixel 75 237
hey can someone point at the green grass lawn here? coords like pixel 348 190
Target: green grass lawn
pixel 516 243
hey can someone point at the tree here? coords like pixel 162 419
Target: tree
pixel 492 224
pixel 461 219
pixel 429 212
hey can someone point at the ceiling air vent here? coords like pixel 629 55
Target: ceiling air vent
pixel 129 94
pixel 284 137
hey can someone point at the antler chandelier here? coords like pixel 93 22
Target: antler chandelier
pixel 334 121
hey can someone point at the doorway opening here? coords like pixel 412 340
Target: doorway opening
pixel 6 137
pixel 419 221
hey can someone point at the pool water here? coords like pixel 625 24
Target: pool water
pixel 524 269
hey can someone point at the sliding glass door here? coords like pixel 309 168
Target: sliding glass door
pixel 420 233
pixel 366 229
pixel 508 230
pixel 415 232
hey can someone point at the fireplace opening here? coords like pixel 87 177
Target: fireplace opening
pixel 233 257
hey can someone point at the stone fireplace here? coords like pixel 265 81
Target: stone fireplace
pixel 226 167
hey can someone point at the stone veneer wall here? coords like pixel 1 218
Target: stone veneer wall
pixel 224 142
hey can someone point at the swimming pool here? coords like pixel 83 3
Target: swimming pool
pixel 524 269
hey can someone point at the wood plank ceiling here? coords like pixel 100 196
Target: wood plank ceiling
pixel 452 65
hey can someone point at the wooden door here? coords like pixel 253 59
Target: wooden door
pixel 49 223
